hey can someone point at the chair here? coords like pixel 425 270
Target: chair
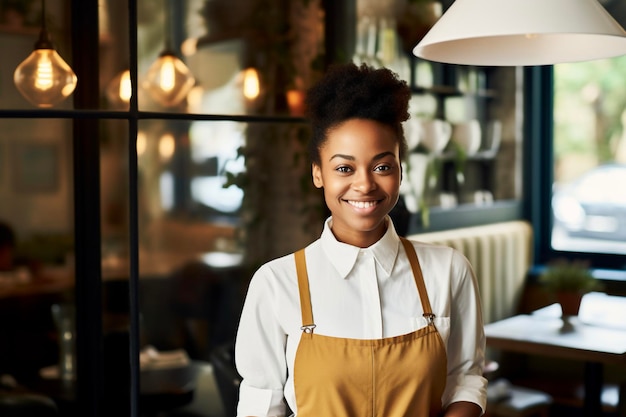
pixel 196 295
pixel 226 377
pixel 507 400
pixel 515 401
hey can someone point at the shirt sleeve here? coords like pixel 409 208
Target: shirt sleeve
pixel 260 351
pixel 466 344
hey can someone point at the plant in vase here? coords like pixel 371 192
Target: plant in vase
pixel 567 281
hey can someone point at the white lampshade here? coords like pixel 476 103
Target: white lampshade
pixel 522 32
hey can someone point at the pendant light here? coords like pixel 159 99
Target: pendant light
pixel 168 80
pixel 120 90
pixel 522 32
pixel 251 83
pixel 44 78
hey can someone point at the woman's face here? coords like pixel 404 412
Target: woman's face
pixel 360 172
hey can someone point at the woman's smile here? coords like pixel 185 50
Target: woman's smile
pixel 366 205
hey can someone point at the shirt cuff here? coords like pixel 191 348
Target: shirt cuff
pixel 473 389
pixel 260 402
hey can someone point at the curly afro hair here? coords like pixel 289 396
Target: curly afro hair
pixel 349 91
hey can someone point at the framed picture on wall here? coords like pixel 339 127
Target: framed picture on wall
pixel 35 167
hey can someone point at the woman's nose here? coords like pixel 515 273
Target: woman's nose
pixel 364 182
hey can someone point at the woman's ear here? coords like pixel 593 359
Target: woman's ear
pixel 316 172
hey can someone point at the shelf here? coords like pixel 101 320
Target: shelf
pixel 465 215
pixel 485 155
pixel 449 91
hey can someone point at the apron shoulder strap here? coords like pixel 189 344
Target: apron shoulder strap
pixel 419 278
pixel 305 295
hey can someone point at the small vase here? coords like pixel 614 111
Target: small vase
pixel 570 302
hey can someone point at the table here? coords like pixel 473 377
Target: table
pixel 49 280
pixel 161 389
pixel 563 338
pixel 58 279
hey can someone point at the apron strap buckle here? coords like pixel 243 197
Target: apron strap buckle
pixel 308 328
pixel 430 317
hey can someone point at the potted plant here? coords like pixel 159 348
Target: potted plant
pixel 567 281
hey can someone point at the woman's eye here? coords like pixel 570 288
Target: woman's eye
pixel 382 168
pixel 343 169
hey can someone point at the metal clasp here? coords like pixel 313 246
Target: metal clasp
pixel 308 328
pixel 430 317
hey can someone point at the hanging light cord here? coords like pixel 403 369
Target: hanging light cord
pixel 44 41
pixel 169 48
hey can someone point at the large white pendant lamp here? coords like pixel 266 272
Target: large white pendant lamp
pixel 522 32
pixel 44 78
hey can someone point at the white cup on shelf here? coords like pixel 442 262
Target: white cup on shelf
pixel 468 135
pixel 436 134
pixel 447 200
pixel 481 197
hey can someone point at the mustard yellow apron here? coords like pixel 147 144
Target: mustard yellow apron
pixel 390 377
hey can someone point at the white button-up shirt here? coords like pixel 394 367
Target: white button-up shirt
pixel 359 293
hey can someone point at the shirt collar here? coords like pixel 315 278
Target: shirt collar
pixel 343 256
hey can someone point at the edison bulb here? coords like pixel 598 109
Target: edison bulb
pixel 44 78
pixel 119 90
pixel 251 85
pixel 168 80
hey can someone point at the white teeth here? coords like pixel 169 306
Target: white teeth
pixel 362 204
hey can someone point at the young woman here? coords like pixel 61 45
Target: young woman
pixel 361 322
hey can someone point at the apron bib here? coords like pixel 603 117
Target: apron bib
pixel 401 376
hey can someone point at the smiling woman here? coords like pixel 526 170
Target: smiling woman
pixel 359 307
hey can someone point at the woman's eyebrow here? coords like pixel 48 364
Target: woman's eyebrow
pixel 382 155
pixel 342 156
pixel 352 158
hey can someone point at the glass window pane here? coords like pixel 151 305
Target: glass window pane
pixel 37 258
pixel 115 88
pixel 190 261
pixel 589 157
pixel 200 228
pixel 227 59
